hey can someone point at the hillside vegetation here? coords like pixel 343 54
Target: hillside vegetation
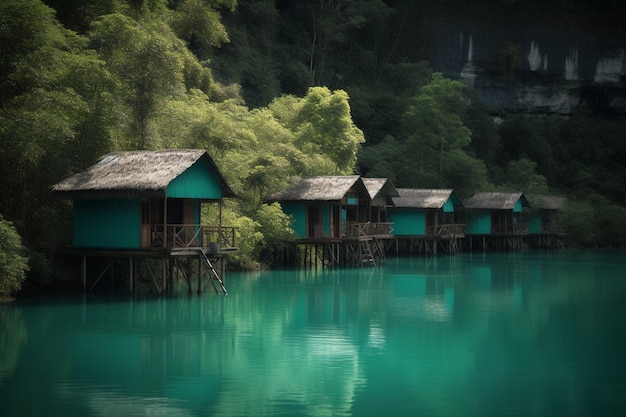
pixel 276 90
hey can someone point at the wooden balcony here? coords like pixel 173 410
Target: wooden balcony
pixel 448 231
pixel 510 229
pixel 188 236
pixel 355 229
pixel 552 229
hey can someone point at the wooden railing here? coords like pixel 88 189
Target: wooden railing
pixel 448 230
pixel 355 229
pixel 191 235
pixel 516 229
pixel 552 228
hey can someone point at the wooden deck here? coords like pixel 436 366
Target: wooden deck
pixel 368 243
pixel 187 236
pixel 169 253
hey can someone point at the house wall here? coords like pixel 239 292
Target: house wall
pixel 107 223
pixel 448 206
pixel 298 213
pixel 518 206
pixel 478 223
pixel 534 224
pixel 196 182
pixel 326 220
pixel 407 222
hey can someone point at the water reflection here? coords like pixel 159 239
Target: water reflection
pixel 483 335
pixel 12 336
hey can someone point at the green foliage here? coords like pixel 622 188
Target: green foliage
pixel 486 143
pixel 578 220
pixel 324 122
pixel 521 175
pixel 144 58
pixel 13 263
pixel 609 222
pixel 129 74
pixel 54 118
pixel 432 149
pixel 275 226
pixel 200 20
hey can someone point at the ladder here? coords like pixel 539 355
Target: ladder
pixel 214 275
pixel 366 251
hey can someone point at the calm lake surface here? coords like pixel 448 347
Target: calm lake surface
pixel 526 334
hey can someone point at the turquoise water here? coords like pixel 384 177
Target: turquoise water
pixel 530 334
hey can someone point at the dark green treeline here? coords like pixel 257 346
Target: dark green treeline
pixel 275 90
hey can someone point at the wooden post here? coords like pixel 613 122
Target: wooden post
pixel 170 277
pixel 165 222
pixel 189 281
pixel 83 272
pixel 200 275
pixel 131 273
pixel 223 270
pixel 163 274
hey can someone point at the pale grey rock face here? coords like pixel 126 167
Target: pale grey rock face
pixel 533 69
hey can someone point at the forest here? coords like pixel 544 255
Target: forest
pixel 275 90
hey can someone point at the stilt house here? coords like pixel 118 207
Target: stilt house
pixel 493 213
pixel 543 216
pixel 146 200
pixel 544 229
pixel 147 205
pixel 326 206
pixel 381 192
pixel 424 212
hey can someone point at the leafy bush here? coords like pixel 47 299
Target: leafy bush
pixel 578 218
pixel 13 265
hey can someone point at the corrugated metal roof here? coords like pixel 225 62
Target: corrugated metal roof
pixel 322 188
pixel 495 200
pixel 421 198
pixel 136 172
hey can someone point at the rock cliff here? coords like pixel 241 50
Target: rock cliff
pixel 534 69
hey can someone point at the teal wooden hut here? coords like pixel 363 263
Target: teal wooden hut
pixel 542 218
pixel 325 206
pixel 381 192
pixel 492 213
pixel 145 199
pixel 426 212
pixel 544 229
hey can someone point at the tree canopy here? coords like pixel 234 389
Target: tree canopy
pixel 274 90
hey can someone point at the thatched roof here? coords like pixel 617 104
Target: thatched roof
pixel 547 202
pixel 495 201
pixel 379 187
pixel 323 188
pixel 423 198
pixel 136 173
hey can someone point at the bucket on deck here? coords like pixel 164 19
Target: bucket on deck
pixel 214 247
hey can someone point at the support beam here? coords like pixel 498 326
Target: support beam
pixel 83 272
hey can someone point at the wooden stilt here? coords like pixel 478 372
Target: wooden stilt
pixel 200 275
pixel 131 273
pixel 83 273
pixel 163 274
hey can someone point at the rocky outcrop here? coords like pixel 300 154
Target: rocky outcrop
pixel 534 69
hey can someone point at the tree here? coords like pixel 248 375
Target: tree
pixel 324 122
pixel 145 58
pixel 199 22
pixel 521 175
pixel 55 96
pixel 13 263
pixel 434 126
